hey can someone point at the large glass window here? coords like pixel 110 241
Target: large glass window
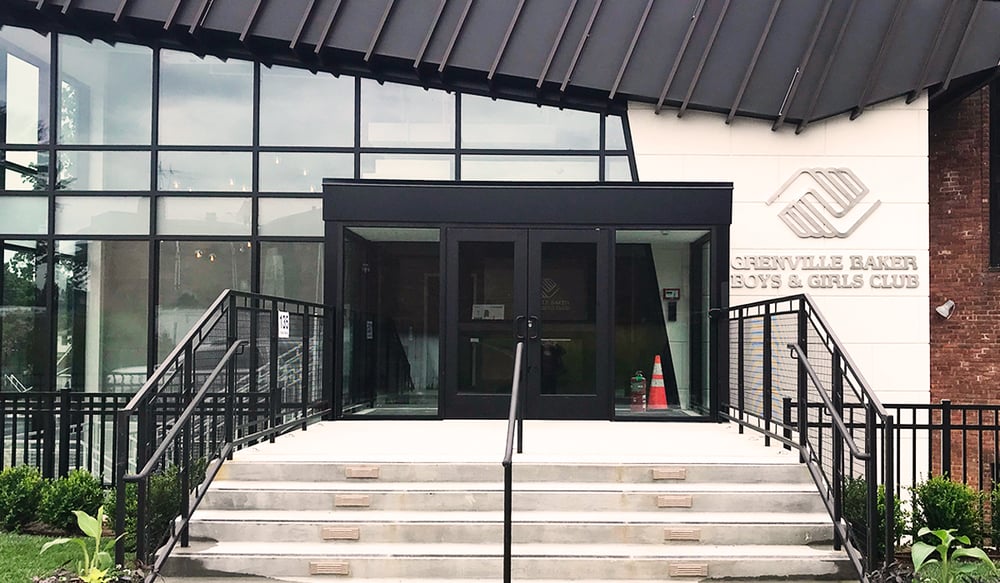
pixel 102 215
pixel 24 86
pixel 391 309
pixel 302 172
pixel 658 312
pixel 183 215
pixel 407 117
pixel 299 108
pixel 290 217
pixel 205 101
pixel 292 270
pixel 79 170
pixel 24 215
pixel 488 123
pixel 102 289
pixel 24 170
pixel 192 275
pixel 24 323
pixel 106 92
pixel 539 168
pixel 204 171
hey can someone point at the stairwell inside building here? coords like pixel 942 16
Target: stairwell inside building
pixel 423 500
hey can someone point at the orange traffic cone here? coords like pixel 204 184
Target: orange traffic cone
pixel 657 392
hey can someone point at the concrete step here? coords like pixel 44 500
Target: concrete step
pixel 550 496
pixel 532 561
pixel 523 472
pixel 529 527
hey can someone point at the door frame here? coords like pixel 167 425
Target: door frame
pixel 527 248
pixel 441 204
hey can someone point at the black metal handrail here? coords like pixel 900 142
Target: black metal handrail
pixel 249 369
pixel 787 397
pixel 515 419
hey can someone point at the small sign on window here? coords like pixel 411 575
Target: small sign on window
pixel 284 325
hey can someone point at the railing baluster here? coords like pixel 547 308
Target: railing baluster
pixel 946 437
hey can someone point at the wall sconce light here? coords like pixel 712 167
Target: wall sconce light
pixel 946 309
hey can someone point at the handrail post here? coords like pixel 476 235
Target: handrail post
pixel 946 437
pixel 520 421
pixel 871 479
pixel 740 360
pixel 306 381
pixel 888 440
pixel 838 446
pixel 786 419
pixel 508 502
pixel 231 371
pixel 802 380
pixel 121 433
pixel 274 395
pixel 767 375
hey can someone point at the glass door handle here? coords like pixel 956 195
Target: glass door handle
pixel 533 328
pixel 517 328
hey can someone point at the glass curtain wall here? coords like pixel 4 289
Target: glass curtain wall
pixel 130 162
pixel 661 313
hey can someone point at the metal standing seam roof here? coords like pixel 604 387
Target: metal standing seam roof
pixel 788 61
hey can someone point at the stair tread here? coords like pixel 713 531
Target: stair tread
pixel 520 517
pixel 520 550
pixel 377 486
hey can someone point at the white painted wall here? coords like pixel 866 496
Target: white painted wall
pixel 886 331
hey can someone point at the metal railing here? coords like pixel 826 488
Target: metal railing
pixel 249 369
pixel 515 421
pixel 58 431
pixel 792 381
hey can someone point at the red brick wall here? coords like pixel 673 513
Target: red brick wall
pixel 965 350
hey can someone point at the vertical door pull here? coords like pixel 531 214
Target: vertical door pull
pixel 518 334
pixel 533 328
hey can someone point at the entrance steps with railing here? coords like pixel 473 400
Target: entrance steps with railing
pixel 584 517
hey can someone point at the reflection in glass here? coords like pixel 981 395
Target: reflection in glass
pixel 489 123
pixel 614 133
pixel 302 172
pixel 24 215
pixel 106 92
pixel 24 170
pixel 205 101
pixel 300 108
pixel 292 270
pixel 302 217
pixel 402 116
pixel 646 326
pixel 204 171
pixel 616 169
pixel 80 170
pixel 24 86
pixel 569 318
pixel 391 311
pixel 102 215
pixel 183 215
pixel 540 168
pixel 102 288
pixel 192 275
pixel 23 317
pixel 485 316
pixel 410 166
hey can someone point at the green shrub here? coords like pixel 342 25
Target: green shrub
pixel 21 489
pixel 856 513
pixel 78 491
pixel 940 504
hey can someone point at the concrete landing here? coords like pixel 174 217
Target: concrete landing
pixel 544 442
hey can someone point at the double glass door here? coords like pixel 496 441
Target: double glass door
pixel 546 288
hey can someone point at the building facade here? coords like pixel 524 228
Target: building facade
pixel 457 176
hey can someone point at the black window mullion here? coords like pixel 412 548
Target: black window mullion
pixel 603 132
pixel 458 136
pixel 357 127
pixel 50 378
pixel 153 287
pixel 255 256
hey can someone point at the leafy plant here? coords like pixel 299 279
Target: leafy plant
pixel 940 503
pixel 954 562
pixel 855 509
pixel 94 568
pixel 21 490
pixel 79 490
pixel 163 503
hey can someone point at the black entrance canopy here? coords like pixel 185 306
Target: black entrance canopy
pixel 784 61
